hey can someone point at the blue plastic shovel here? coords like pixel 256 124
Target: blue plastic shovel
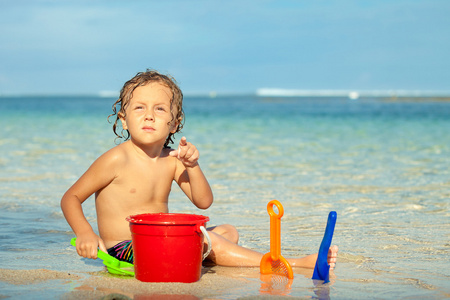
pixel 322 268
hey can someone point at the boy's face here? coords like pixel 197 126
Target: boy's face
pixel 148 116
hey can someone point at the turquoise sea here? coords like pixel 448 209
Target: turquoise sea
pixel 382 164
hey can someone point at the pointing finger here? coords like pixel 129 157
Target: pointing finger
pixel 183 141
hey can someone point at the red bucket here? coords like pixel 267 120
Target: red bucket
pixel 167 247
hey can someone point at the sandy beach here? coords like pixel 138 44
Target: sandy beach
pixel 215 283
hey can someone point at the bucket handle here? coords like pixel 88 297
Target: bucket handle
pixel 205 233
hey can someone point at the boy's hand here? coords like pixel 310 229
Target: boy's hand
pixel 186 153
pixel 87 245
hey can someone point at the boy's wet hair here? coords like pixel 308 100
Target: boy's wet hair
pixel 141 79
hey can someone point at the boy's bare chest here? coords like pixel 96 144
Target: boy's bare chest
pixel 147 181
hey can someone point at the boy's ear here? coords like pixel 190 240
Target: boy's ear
pixel 173 127
pixel 122 119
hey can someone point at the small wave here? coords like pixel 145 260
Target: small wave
pixel 419 283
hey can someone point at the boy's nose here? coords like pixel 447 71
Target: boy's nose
pixel 149 115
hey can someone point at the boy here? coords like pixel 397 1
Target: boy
pixel 136 176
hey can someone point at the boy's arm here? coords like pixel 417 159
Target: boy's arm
pixel 87 241
pixel 190 177
pixel 96 177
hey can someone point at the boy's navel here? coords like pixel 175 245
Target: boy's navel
pixel 133 190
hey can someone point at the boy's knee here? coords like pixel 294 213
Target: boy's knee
pixel 227 231
pixel 230 233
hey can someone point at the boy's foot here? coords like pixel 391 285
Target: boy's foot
pixel 332 256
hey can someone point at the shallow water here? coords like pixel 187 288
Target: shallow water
pixel 383 166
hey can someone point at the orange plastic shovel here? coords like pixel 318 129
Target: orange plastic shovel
pixel 273 262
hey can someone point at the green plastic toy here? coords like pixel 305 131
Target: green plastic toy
pixel 113 265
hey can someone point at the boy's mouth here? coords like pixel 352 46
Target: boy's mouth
pixel 148 128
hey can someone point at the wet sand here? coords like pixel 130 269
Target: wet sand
pixel 215 283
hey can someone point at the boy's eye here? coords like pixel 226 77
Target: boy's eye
pixel 160 108
pixel 138 107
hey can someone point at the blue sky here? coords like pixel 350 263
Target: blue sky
pixel 84 47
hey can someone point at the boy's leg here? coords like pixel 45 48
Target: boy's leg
pixel 309 261
pixel 227 231
pixel 229 254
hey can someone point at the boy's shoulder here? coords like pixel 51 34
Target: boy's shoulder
pixel 115 155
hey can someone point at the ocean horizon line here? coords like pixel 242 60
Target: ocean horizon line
pixel 267 92
pixel 351 93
